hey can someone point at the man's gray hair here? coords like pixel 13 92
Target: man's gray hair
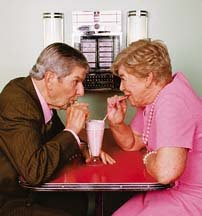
pixel 59 58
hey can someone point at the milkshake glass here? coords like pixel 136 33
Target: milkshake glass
pixel 95 132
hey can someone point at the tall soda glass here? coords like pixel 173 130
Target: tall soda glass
pixel 95 132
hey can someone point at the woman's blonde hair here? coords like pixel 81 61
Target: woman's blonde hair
pixel 145 56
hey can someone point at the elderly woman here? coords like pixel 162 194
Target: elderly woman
pixel 168 122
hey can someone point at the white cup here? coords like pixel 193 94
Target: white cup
pixel 95 132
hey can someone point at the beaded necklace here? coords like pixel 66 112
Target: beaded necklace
pixel 145 135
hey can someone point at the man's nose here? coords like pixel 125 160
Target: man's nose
pixel 80 89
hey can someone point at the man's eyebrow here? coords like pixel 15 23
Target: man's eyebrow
pixel 78 77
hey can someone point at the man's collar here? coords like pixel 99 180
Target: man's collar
pixel 47 112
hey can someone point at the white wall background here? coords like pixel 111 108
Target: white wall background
pixel 177 22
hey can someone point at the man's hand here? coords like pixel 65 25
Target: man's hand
pixel 106 158
pixel 76 116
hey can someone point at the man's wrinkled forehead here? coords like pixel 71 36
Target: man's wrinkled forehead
pixel 78 72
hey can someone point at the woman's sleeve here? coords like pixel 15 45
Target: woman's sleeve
pixel 175 125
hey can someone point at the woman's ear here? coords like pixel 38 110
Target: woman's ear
pixel 149 80
pixel 49 79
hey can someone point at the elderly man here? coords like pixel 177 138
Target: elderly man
pixel 34 143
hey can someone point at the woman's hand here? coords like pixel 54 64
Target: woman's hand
pixel 116 109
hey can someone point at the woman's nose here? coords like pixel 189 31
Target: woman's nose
pixel 121 86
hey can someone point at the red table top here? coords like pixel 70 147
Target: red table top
pixel 128 168
pixel 128 173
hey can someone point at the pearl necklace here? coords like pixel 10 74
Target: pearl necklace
pixel 145 135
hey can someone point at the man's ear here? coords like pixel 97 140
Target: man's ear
pixel 50 79
pixel 149 80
